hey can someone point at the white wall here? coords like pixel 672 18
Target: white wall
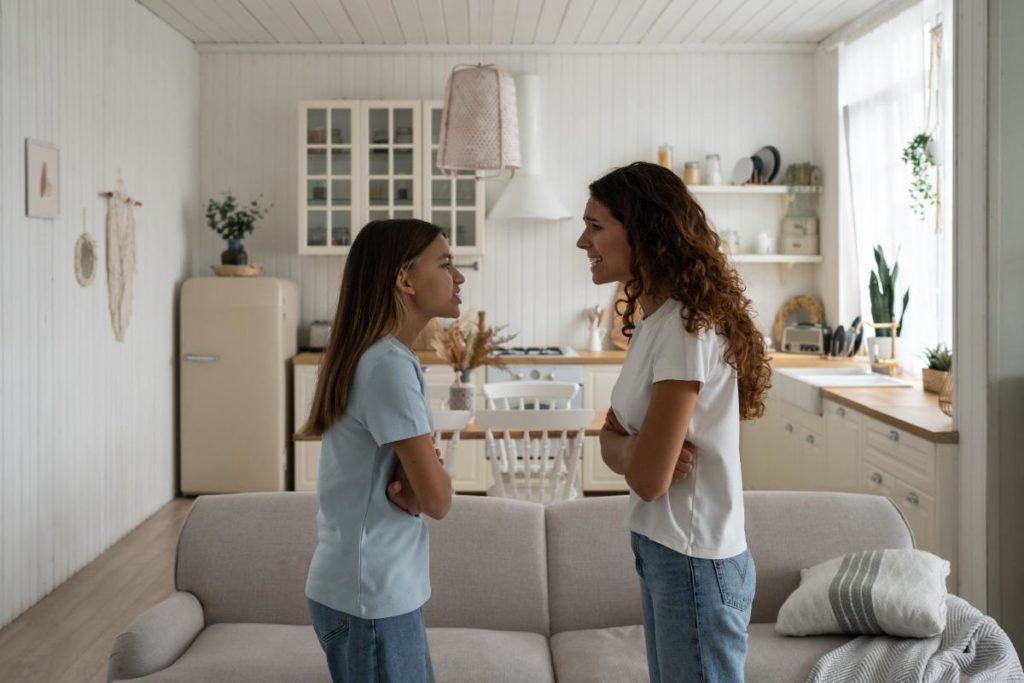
pixel 87 433
pixel 1006 322
pixel 599 111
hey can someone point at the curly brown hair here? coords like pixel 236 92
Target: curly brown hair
pixel 676 253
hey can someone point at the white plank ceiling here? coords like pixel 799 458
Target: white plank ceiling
pixel 509 22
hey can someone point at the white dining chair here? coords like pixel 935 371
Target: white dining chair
pixel 534 454
pixel 530 395
pixel 445 420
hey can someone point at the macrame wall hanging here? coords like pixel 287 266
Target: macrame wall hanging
pixel 120 256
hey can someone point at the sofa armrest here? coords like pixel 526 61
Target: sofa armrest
pixel 157 637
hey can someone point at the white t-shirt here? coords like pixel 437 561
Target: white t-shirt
pixel 701 515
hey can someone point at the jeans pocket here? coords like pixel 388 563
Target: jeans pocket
pixel 328 623
pixel 737 580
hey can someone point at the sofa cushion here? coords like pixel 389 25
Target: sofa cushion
pixel 773 658
pixel 618 655
pixel 466 655
pixel 248 653
pixel 591 570
pixel 488 566
pixel 791 530
pixel 603 655
pixel 245 556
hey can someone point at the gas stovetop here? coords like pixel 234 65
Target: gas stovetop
pixel 534 351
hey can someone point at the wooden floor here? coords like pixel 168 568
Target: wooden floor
pixel 68 635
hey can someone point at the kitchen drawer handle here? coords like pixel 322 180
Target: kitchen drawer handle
pixel 912 498
pixel 876 477
pixel 810 439
pixel 841 412
pixel 789 428
pixel 425 369
pixel 894 435
pixel 200 358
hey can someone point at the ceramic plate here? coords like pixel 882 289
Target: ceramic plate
pixel 770 160
pixel 742 171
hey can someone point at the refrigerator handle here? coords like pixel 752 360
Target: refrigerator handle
pixel 199 358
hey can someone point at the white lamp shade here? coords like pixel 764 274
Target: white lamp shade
pixel 479 124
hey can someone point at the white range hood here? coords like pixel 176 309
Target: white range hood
pixel 527 195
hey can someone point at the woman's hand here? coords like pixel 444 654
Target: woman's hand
pixel 684 465
pixel 611 423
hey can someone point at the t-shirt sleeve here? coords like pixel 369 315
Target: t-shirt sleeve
pixel 680 355
pixel 396 409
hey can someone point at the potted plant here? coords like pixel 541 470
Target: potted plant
pixel 940 360
pixel 233 222
pixel 466 345
pixel 918 155
pixel 882 289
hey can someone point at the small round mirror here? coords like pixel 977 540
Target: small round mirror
pixel 85 259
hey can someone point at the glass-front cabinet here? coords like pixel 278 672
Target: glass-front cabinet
pixel 454 203
pixel 374 159
pixel 328 176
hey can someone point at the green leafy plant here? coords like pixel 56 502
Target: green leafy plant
pixel 939 358
pixel 882 288
pixel 921 161
pixel 231 220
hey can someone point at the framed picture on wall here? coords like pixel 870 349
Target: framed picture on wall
pixel 42 179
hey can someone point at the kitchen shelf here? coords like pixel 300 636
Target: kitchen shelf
pixel 750 189
pixel 783 259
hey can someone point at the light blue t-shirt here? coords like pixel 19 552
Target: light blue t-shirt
pixel 371 560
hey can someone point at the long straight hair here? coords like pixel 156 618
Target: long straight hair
pixel 676 252
pixel 369 309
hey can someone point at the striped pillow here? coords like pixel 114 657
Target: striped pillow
pixel 894 592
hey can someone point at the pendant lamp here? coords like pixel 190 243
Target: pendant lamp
pixel 479 124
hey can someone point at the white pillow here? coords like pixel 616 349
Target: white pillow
pixel 895 592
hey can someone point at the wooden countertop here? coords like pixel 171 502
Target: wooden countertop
pixel 472 431
pixel 615 357
pixel 431 358
pixel 911 409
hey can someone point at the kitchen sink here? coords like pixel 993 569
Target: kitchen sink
pixel 802 386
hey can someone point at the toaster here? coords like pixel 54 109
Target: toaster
pixel 319 334
pixel 803 339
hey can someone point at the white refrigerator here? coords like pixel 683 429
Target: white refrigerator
pixel 238 335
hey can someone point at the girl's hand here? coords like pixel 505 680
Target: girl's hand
pixel 684 465
pixel 400 492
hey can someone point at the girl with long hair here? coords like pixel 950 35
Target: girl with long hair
pixel 695 367
pixel 379 469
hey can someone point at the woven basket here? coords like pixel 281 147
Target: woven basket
pixel 250 270
pixel 932 380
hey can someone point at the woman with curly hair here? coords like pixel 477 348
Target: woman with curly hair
pixel 696 366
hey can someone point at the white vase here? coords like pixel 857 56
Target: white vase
pixel 879 348
pixel 462 393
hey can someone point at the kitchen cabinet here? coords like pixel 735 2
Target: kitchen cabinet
pixel 456 204
pixel 598 381
pixel 845 450
pixel 365 160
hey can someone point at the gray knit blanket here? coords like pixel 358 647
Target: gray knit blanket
pixel 973 648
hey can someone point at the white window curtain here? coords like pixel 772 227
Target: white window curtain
pixel 883 87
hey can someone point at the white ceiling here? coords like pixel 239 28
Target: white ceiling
pixel 509 22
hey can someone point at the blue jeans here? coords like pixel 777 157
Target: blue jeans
pixel 696 613
pixel 392 650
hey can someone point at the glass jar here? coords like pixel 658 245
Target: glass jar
pixel 665 156
pixel 712 170
pixel 691 173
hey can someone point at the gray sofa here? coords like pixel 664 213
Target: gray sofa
pixel 520 592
